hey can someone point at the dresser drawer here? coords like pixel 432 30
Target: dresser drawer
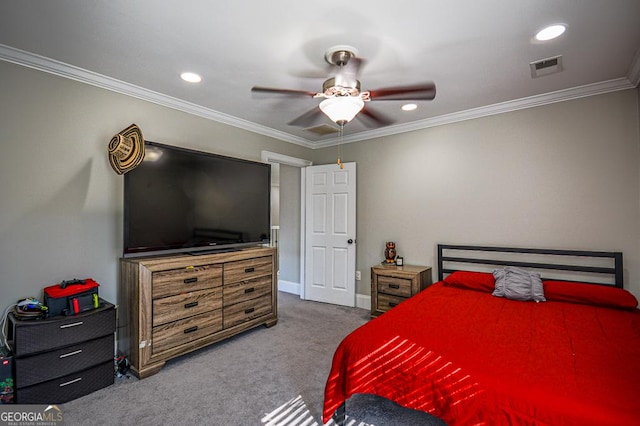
pixel 393 285
pixel 246 311
pixel 387 301
pixel 61 362
pixel 242 270
pixel 181 306
pixel 167 283
pixel 246 290
pixel 66 388
pixel 31 337
pixel 183 331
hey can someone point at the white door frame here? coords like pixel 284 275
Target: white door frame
pixel 274 157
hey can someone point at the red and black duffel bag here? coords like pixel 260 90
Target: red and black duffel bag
pixel 72 297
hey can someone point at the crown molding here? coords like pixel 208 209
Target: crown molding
pixel 499 108
pixel 61 69
pixel 52 66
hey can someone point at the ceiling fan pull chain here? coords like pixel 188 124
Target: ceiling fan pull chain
pixel 340 163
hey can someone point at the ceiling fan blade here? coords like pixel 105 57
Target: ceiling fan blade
pixel 288 92
pixel 347 75
pixel 373 119
pixel 419 92
pixel 307 119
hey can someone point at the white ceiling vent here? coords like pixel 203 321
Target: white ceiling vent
pixel 546 66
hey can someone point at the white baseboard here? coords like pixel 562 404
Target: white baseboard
pixel 362 300
pixel 289 287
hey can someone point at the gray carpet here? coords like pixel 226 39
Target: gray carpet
pixel 267 376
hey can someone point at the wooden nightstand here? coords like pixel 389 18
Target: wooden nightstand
pixel 391 285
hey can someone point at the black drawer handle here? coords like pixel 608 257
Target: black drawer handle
pixel 247 270
pixel 249 290
pixel 393 304
pixel 190 305
pixel 191 280
pixel 75 324
pixel 70 382
pixel 191 329
pixel 396 286
pixel 248 311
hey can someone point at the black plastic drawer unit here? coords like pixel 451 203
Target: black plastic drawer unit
pixel 64 357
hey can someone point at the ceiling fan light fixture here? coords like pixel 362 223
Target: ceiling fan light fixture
pixel 409 107
pixel 342 109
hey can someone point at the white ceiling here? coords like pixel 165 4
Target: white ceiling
pixel 476 51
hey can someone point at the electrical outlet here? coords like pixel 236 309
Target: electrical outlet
pixel 358 276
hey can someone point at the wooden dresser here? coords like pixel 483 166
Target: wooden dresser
pixel 172 305
pixel 391 285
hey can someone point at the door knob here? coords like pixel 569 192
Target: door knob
pixel 350 241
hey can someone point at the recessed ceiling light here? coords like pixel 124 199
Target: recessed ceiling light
pixel 191 77
pixel 551 32
pixel 409 107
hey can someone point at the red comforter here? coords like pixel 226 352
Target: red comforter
pixel 470 358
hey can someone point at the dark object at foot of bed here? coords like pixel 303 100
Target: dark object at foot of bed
pixel 339 417
pixel 376 410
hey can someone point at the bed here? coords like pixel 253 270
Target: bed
pixel 469 357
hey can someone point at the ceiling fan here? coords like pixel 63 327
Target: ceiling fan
pixel 343 98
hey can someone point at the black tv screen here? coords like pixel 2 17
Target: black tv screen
pixel 180 200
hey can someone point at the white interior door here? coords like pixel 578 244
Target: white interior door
pixel 330 234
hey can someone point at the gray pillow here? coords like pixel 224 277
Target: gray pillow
pixel 518 284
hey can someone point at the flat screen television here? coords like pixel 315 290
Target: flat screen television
pixel 181 200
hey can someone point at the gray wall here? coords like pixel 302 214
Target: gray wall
pixel 61 214
pixel 564 175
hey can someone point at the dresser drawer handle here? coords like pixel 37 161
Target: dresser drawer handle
pixel 248 311
pixel 191 329
pixel 75 324
pixel 70 382
pixel 393 304
pixel 191 280
pixel 190 305
pixel 249 290
pixel 79 351
pixel 396 286
pixel 247 270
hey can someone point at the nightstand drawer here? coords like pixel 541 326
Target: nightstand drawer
pixel 243 270
pixel 387 301
pixel 185 305
pixel 167 283
pixel 246 290
pixel 396 286
pixel 61 362
pixel 246 311
pixel 176 333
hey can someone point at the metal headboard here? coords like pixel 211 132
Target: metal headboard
pixel 491 256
